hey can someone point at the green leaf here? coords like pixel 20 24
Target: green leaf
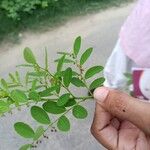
pixel 24 130
pixel 40 115
pixel 37 74
pixel 63 124
pixel 96 83
pixel 48 91
pixel 128 75
pixel 27 78
pixel 63 99
pixel 44 4
pixel 79 112
pixel 33 95
pixel 58 89
pixel 17 76
pixel 3 93
pixel 4 84
pixel 4 107
pixel 12 78
pixel 53 108
pixel 65 60
pixel 85 56
pixel 77 82
pixel 92 71
pixel 64 53
pixel 46 59
pixel 18 96
pixel 77 45
pixel 67 76
pixel 28 56
pixel 71 102
pixel 38 133
pixel 74 73
pixel 60 63
pixel 25 147
pixel 34 82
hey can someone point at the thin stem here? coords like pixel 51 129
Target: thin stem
pixel 81 74
pixel 84 97
pixel 50 125
pixel 45 100
pixel 67 89
pixel 84 81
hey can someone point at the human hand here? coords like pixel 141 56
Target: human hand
pixel 121 122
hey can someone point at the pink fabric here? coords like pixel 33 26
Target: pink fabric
pixel 135 34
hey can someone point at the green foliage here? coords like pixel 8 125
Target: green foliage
pixel 28 56
pixel 49 94
pixel 18 96
pixel 129 78
pixel 79 112
pixel 24 130
pixel 63 124
pixel 77 82
pixel 38 133
pixel 16 7
pixel 25 147
pixel 77 46
pixel 67 77
pixel 60 63
pixel 63 99
pixel 53 108
pixel 97 83
pixel 92 71
pixel 85 56
pixel 40 115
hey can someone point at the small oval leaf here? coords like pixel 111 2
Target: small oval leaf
pixel 28 56
pixel 67 76
pixel 53 108
pixel 48 91
pixel 33 95
pixel 40 115
pixel 63 124
pixel 24 130
pixel 4 107
pixel 97 83
pixel 71 102
pixel 77 82
pixel 85 56
pixel 4 84
pixel 66 60
pixel 38 133
pixel 60 63
pixel 25 147
pixel 63 99
pixel 77 45
pixel 92 71
pixel 18 96
pixel 79 112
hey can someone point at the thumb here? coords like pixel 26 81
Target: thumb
pixel 124 107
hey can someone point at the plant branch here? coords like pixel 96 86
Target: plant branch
pixel 50 125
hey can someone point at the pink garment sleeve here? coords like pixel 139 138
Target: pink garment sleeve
pixel 135 34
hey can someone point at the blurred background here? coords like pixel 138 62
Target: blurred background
pixel 55 24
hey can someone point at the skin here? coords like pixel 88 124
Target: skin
pixel 121 122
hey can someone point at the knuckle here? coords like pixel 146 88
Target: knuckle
pixel 116 102
pixel 93 129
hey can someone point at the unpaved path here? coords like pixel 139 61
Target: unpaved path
pixel 99 30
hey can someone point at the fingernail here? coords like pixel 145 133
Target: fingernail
pixel 100 94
